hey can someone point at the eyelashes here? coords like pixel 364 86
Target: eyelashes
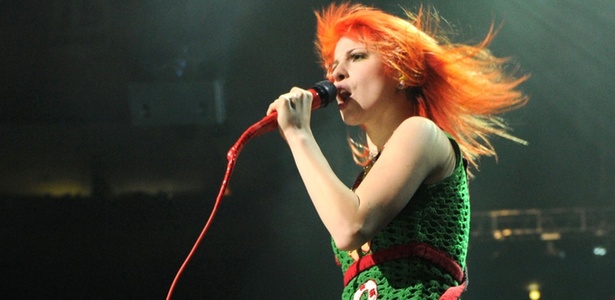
pixel 353 57
pixel 357 56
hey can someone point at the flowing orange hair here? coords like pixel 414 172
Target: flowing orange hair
pixel 460 87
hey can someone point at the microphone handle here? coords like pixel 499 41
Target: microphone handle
pixel 266 124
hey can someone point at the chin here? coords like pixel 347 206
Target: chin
pixel 350 121
pixel 349 117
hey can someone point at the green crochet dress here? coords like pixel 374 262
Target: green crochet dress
pixel 438 215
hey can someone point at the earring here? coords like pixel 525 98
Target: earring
pixel 401 85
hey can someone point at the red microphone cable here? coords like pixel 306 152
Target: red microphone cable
pixel 323 93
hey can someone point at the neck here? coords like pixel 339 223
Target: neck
pixel 380 129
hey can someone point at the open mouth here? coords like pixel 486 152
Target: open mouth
pixel 343 95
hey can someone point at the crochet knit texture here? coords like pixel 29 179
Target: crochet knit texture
pixel 438 215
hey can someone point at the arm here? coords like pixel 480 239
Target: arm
pixel 417 152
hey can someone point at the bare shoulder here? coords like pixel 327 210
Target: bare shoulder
pixel 422 139
pixel 418 129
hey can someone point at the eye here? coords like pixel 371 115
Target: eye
pixel 356 56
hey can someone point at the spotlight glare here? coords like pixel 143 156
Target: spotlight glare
pixel 534 295
pixel 534 289
pixel 599 251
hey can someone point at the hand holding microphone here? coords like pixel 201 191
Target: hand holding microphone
pixel 323 93
pixel 293 109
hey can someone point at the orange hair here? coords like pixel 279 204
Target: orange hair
pixel 461 87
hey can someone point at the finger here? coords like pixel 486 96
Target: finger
pixel 292 101
pixel 273 106
pixel 288 100
pixel 304 96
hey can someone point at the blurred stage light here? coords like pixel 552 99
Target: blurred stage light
pixel 501 234
pixel 534 289
pixel 599 251
pixel 534 295
pixel 550 236
pixel 60 188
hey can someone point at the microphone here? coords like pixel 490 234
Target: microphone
pixel 323 93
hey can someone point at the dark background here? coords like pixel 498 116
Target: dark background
pixel 113 148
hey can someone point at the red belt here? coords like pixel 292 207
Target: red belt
pixel 414 249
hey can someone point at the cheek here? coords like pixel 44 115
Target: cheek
pixel 381 76
pixel 378 86
pixel 375 82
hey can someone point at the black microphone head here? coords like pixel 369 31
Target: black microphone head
pixel 327 92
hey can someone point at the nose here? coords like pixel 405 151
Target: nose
pixel 339 73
